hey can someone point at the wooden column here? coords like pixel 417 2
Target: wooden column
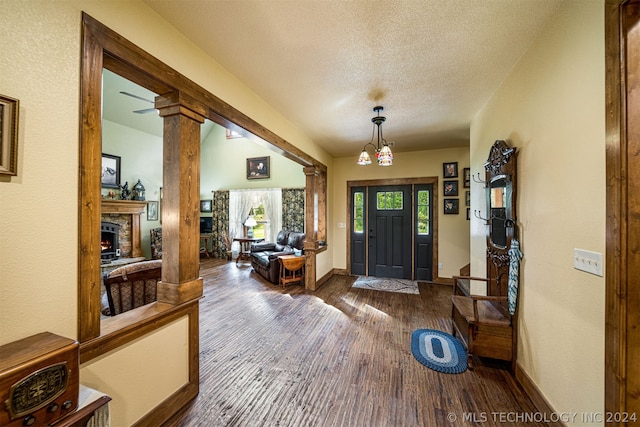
pixel 311 226
pixel 181 199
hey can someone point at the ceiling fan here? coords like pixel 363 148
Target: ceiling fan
pixel 144 111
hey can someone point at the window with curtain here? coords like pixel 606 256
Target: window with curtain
pixel 267 201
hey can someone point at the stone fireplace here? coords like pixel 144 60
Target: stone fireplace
pixel 126 215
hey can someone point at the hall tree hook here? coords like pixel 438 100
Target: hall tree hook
pixel 476 213
pixel 478 180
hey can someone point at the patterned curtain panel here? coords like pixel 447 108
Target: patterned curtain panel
pixel 293 209
pixel 220 230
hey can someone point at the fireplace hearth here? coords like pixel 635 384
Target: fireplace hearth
pixel 109 248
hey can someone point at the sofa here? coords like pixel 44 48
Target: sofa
pixel 264 256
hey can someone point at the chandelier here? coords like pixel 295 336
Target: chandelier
pixel 382 150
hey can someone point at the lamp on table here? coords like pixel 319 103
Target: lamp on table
pixel 250 223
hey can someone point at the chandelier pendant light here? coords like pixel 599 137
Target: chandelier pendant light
pixel 382 150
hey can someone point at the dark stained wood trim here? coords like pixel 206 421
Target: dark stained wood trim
pixel 167 408
pixel 616 220
pixel 219 111
pixel 536 396
pixel 89 191
pixel 131 325
pixel 103 47
pixel 324 279
pixel 398 181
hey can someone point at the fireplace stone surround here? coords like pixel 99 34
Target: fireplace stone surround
pixel 125 213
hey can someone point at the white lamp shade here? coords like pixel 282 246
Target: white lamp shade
pixel 364 158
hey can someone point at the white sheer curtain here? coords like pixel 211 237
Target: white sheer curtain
pixel 272 203
pixel 241 202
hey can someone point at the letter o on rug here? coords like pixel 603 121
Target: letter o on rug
pixel 439 351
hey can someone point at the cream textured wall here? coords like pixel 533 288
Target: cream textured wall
pixel 453 230
pixel 40 62
pixel 552 108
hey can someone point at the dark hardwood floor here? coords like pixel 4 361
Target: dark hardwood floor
pixel 334 357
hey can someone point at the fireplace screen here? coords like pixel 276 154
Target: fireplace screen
pixel 109 248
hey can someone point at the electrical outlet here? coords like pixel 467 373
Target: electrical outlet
pixel 439 266
pixel 342 225
pixel 588 261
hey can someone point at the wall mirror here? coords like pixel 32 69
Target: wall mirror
pixel 499 209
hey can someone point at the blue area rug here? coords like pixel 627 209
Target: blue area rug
pixel 439 351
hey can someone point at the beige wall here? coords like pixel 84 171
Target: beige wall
pixel 40 65
pixel 552 108
pixel 453 230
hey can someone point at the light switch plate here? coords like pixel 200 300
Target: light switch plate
pixel 588 261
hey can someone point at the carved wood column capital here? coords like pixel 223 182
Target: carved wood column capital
pixel 310 170
pixel 175 103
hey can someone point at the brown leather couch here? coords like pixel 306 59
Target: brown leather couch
pixel 264 256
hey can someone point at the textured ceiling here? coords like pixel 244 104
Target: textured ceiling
pixel 325 64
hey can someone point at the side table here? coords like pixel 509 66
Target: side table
pixel 245 247
pixel 205 238
pixel 291 269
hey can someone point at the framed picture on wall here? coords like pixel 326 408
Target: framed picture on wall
pixel 450 170
pixel 467 198
pixel 152 211
pixel 258 167
pixel 466 174
pixel 451 206
pixel 450 188
pixel 206 206
pixel 110 171
pixel 9 108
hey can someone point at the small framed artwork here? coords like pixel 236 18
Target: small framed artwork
pixel 467 198
pixel 451 206
pixel 466 174
pixel 152 210
pixel 450 170
pixel 450 188
pixel 468 214
pixel 110 171
pixel 258 168
pixel 206 206
pixel 9 109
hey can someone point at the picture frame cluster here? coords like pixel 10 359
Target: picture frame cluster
pixel 450 187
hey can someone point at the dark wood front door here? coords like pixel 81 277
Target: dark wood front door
pixel 389 231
